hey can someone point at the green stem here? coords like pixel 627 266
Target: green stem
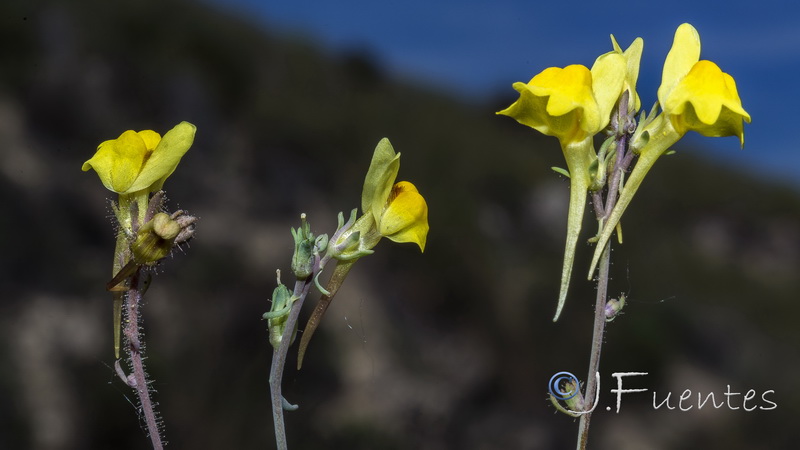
pixel 279 404
pixel 125 208
pixel 121 255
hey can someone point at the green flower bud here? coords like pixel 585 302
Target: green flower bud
pixel 577 402
pixel 303 257
pixel 155 239
pixel 278 314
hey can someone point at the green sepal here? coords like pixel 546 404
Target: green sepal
pixel 561 171
pixel 641 136
pixel 354 239
pixel 598 170
pixel 560 408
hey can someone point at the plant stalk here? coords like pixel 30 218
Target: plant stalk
pixel 597 346
pixel 301 288
pixel 134 347
pixel 624 158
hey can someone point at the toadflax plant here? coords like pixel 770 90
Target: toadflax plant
pixel 576 103
pixel 396 211
pixel 135 166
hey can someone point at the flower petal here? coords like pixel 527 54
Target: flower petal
pixel 569 88
pixel 164 158
pixel 150 138
pixel 633 57
pixel 405 218
pixel 608 77
pixel 683 55
pixel 380 178
pixel 118 161
pixel 706 100
pixel 558 102
pixel 531 110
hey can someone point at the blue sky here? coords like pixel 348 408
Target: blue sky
pixel 477 49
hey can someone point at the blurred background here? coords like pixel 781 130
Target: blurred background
pixel 450 349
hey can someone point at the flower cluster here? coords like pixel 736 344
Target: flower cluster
pixel 575 103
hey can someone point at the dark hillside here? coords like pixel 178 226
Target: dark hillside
pixel 449 349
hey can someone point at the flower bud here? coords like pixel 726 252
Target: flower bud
pixel 576 402
pixel 303 257
pixel 278 314
pixel 614 308
pixel 155 239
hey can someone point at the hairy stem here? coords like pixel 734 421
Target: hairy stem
pixel 623 160
pixel 134 347
pixel 597 346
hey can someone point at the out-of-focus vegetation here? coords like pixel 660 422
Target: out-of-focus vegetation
pixel 449 349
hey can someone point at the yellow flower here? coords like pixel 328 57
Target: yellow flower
pixel 405 217
pixel 134 165
pixel 694 95
pixel 697 95
pixel 573 104
pixel 141 160
pixel 395 211
pixel 706 101
pixel 570 103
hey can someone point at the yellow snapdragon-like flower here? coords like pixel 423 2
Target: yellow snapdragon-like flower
pixel 399 212
pixel 392 210
pixel 706 101
pixel 558 102
pixel 134 165
pixel 694 95
pixel 573 104
pixel 697 95
pixel 142 160
pixel 405 217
